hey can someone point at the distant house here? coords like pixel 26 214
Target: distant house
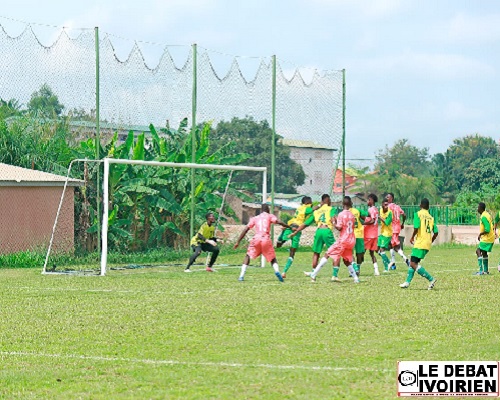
pixel 351 176
pixel 317 161
pixel 29 201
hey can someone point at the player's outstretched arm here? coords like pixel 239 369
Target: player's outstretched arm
pixel 242 235
pixel 299 229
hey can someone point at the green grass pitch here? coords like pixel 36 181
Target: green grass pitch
pixel 158 333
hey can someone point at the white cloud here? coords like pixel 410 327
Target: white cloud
pixel 370 9
pixel 474 29
pixel 439 66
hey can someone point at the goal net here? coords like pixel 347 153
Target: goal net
pixel 149 214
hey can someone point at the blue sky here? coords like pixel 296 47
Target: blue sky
pixel 426 70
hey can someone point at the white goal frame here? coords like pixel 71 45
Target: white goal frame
pixel 109 161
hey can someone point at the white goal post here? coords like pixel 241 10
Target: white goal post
pixel 109 161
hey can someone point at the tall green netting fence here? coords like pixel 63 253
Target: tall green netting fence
pixel 156 107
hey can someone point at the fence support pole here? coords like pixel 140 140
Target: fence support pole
pixel 273 142
pixel 97 138
pixel 343 132
pixel 193 135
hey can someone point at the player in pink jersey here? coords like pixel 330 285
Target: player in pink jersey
pixel 342 248
pixel 261 243
pixel 398 224
pixel 371 230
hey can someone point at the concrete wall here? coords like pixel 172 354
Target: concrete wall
pixel 318 168
pixel 27 216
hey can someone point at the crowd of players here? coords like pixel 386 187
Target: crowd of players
pixel 358 232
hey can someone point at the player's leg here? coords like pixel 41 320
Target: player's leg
pixel 214 250
pixel 293 249
pixel 244 267
pixel 479 255
pixel 270 254
pixel 414 260
pixel 196 252
pixel 347 258
pixel 384 243
pixel 319 264
pixel 484 249
pixel 359 249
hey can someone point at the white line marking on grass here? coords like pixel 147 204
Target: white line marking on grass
pixel 188 363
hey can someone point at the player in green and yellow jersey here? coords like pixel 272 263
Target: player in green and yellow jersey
pixel 302 213
pixel 425 231
pixel 384 239
pixel 497 223
pixel 323 217
pixel 486 239
pixel 359 233
pixel 204 240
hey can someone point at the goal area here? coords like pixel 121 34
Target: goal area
pixel 149 211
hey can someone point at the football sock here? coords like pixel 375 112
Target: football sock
pixel 400 252
pixel 243 269
pixel 393 256
pixel 385 260
pixel 288 264
pixel 480 263
pixel 276 267
pixel 422 272
pixel 335 271
pixel 321 263
pixel 411 273
pixel 485 264
pixel 355 266
pixel 375 265
pixel 351 270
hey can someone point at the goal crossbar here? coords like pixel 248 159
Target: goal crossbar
pixel 109 161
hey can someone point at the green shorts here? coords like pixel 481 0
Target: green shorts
pixel 322 237
pixel 285 235
pixel 485 246
pixel 359 247
pixel 418 253
pixel 384 242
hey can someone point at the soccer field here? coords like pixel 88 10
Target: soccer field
pixel 157 333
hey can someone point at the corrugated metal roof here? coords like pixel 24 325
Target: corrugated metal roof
pixel 305 143
pixel 10 175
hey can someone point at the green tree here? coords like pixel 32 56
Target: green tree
pixel 247 136
pixel 45 103
pixel 9 108
pixel 403 158
pixel 485 171
pixel 463 152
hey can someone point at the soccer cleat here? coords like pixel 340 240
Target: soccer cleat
pixel 283 275
pixel 241 279
pixel 187 270
pixel 392 265
pixel 335 279
pixel 486 272
pixel 407 261
pixel 479 273
pixel 431 285
pixel 307 273
pixel 386 271
pixel 209 269
pixel 278 275
pixel 356 279
pixel 313 278
pixel 404 285
pixel 375 272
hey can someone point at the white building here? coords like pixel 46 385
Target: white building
pixel 318 162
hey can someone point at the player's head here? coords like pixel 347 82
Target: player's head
pixel 306 200
pixel 210 217
pixel 481 207
pixel 385 204
pixel 325 199
pixel 347 202
pixel 265 208
pixel 390 197
pixel 424 203
pixel 372 199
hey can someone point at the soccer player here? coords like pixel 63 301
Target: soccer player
pixel 486 239
pixel 205 240
pixel 385 237
pixel 261 242
pixel 323 217
pixel 424 233
pixel 359 233
pixel 302 213
pixel 342 249
pixel 371 230
pixel 497 223
pixel 398 224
